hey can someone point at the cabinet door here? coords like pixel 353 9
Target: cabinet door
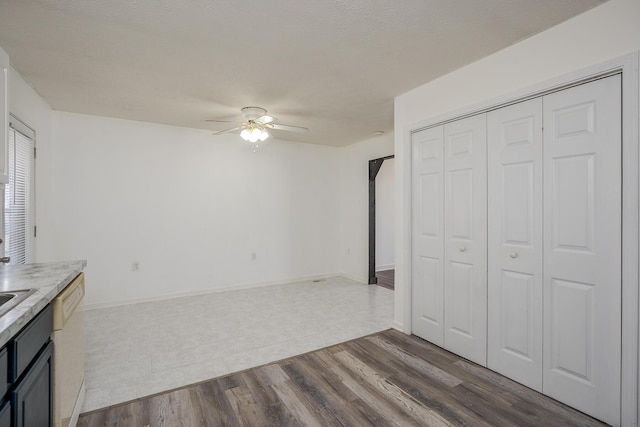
pixel 427 297
pixel 5 415
pixel 582 247
pixel 32 397
pixel 4 372
pixel 515 242
pixel 465 240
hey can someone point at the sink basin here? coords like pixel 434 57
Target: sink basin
pixel 10 299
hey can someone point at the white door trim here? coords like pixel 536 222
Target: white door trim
pixel 628 67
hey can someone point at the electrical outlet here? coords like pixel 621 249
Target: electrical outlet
pixel 135 266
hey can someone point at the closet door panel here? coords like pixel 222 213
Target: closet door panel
pixel 465 263
pixel 515 242
pixel 428 235
pixel 582 254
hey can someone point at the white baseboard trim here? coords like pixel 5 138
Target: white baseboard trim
pixel 398 326
pixel 235 287
pixel 385 267
pixel 77 407
pixel 363 280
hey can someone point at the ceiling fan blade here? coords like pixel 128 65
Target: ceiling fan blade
pixel 220 121
pixel 289 128
pixel 226 131
pixel 265 119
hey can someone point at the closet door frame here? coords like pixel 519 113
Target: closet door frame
pixel 627 66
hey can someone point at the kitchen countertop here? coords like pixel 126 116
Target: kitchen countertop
pixel 48 279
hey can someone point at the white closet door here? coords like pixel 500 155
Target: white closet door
pixel 427 297
pixel 515 242
pixel 465 273
pixel 582 249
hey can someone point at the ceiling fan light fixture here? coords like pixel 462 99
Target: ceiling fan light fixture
pixel 256 133
pixel 252 113
pixel 257 125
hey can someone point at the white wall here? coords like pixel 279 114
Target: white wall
pixel 191 208
pixel 112 191
pixel 354 203
pixel 603 33
pixel 385 208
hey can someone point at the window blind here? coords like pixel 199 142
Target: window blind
pixel 18 206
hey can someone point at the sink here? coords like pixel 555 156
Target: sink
pixel 10 299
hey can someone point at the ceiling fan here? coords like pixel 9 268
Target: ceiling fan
pixel 257 124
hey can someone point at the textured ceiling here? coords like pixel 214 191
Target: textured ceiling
pixel 331 66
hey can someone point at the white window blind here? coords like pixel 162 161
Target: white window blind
pixel 18 206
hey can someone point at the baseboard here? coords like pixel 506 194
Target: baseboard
pixel 363 280
pixel 385 267
pixel 398 327
pixel 77 407
pixel 236 287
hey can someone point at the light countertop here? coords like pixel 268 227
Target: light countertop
pixel 48 279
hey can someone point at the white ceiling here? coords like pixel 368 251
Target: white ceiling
pixel 331 66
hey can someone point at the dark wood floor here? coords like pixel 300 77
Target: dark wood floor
pixel 383 379
pixel 386 278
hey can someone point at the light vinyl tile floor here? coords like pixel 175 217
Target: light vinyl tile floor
pixel 142 349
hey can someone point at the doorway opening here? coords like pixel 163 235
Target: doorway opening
pixel 381 257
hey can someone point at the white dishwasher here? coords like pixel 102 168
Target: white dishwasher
pixel 68 353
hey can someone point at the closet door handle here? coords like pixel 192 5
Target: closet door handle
pixel 513 255
pixel 463 249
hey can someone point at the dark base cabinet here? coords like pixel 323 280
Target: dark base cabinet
pixel 5 415
pixel 32 398
pixel 26 375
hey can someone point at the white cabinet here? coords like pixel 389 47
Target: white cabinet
pixel 449 248
pixel 4 114
pixel 517 242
